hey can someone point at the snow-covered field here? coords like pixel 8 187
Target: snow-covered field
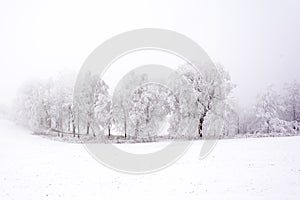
pixel 32 167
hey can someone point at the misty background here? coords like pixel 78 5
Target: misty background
pixel 256 41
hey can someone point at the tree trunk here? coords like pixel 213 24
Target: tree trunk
pixel 62 128
pixel 78 125
pixel 108 130
pixel 48 121
pixel 238 125
pixel 74 128
pixel 137 129
pixel 125 128
pixel 88 128
pixel 69 121
pixel 57 127
pixel 200 125
pixel 94 134
pixel 72 115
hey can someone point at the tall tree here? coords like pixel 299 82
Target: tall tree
pixel 103 108
pixel 267 109
pixel 292 101
pixel 120 101
pixel 198 93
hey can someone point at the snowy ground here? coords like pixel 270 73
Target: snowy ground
pixel 32 167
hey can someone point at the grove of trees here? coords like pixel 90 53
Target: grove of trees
pixel 48 106
pixel 275 112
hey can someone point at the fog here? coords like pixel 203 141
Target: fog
pixel 256 41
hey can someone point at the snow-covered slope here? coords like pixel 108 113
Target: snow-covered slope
pixel 32 167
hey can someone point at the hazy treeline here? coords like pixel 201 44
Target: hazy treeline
pixel 275 112
pixel 194 101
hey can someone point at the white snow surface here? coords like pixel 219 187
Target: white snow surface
pixel 32 167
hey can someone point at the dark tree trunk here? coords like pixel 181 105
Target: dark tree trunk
pixel 88 128
pixel 108 130
pixel 200 125
pixel 125 129
pixel 73 130
pixel 94 133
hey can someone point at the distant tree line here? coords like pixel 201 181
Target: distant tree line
pixel 275 112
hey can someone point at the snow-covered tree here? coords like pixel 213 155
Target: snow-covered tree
pixel 197 95
pixel 231 119
pixel 61 103
pixel 85 102
pixel 291 101
pixel 273 113
pixel 148 108
pixel 267 109
pixel 122 92
pixel 103 107
pixel 33 105
pixel 45 104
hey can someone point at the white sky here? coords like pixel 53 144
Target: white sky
pixel 257 41
pixel 131 61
